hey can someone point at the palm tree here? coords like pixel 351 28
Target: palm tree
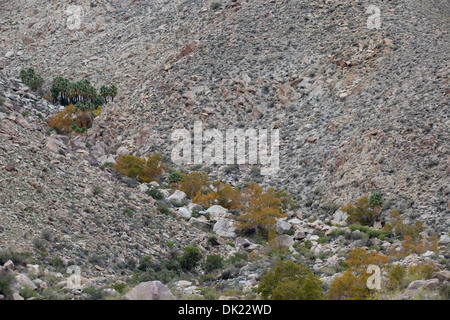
pixel 113 91
pixel 104 92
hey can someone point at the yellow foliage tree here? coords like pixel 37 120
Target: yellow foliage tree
pixel 352 285
pixel 143 170
pixel 193 183
pixel 223 194
pixel 361 212
pixel 400 229
pixel 263 207
pixel 129 166
pixel 153 168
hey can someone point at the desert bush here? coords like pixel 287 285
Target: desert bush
pixel 190 258
pixel 215 5
pixel 31 79
pixel 213 241
pixel 28 293
pixel 97 190
pixel 18 258
pixel 6 281
pixel 69 119
pixel 421 271
pixel 395 276
pixel 153 168
pixel 290 281
pixel 213 262
pixel 362 212
pixel 155 193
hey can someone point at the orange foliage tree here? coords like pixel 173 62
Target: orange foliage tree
pixel 64 121
pixel 262 209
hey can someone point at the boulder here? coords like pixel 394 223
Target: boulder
pixel 284 241
pixel 143 187
pixel 151 290
pixel 177 197
pixel 445 239
pixel 225 228
pixel 194 207
pixel 122 151
pixel 9 266
pixel 17 296
pixel 443 275
pixel 217 212
pixel 299 235
pixel 416 284
pixel 340 217
pixel 241 242
pixel 23 281
pixel 201 223
pixel 282 226
pixel 184 213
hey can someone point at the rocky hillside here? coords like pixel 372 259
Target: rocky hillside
pixel 359 111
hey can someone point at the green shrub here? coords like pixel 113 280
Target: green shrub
pixel 97 190
pixel 174 177
pixel 94 293
pixel 190 258
pixel 155 193
pixel 336 233
pixel 28 293
pixel 2 100
pixel 215 5
pixel 238 257
pixel 6 281
pixel 146 263
pixel 128 212
pixel 17 258
pixel 163 209
pixel 56 262
pixel 323 239
pixel 119 287
pixel 213 262
pixel 290 281
pixel 213 241
pixel 376 200
pixel 31 79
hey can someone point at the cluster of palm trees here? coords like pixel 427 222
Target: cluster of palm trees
pixel 81 93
